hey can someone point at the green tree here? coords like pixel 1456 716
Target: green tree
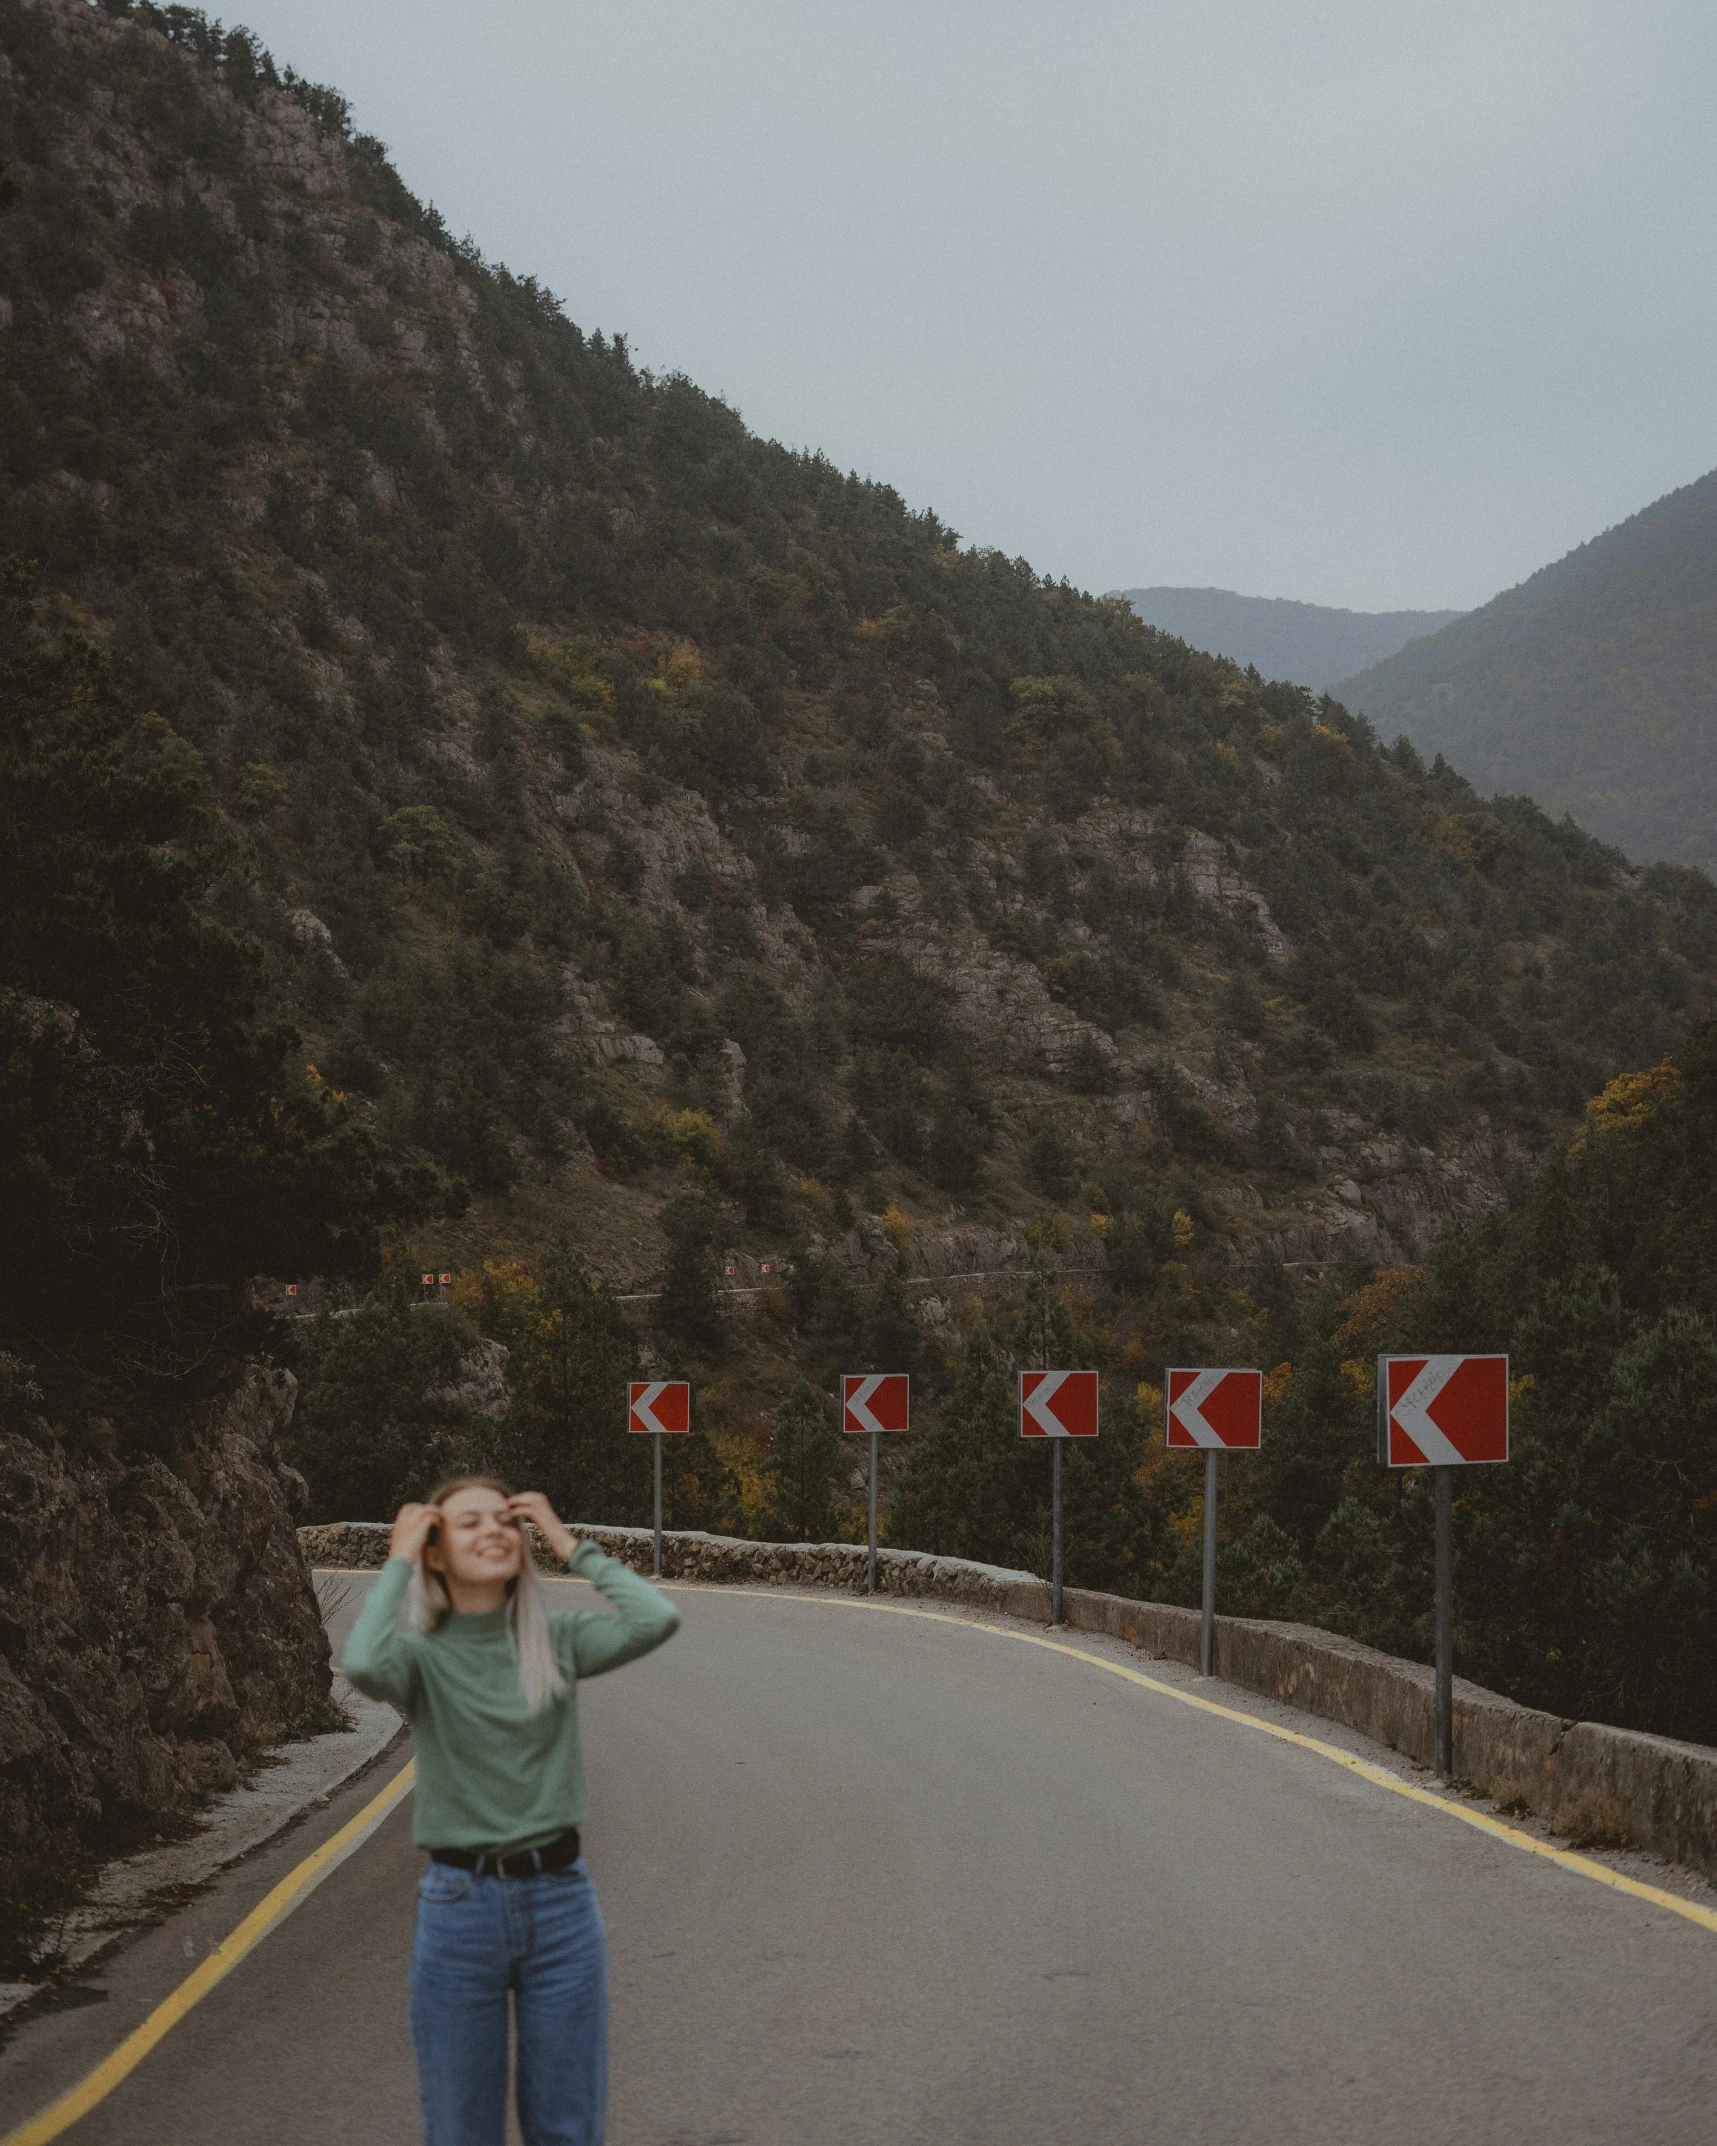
pixel 378 1419
pixel 690 1312
pixel 962 1492
pixel 571 1351
pixel 804 1466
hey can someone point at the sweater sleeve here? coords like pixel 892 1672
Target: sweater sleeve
pixel 644 1617
pixel 377 1660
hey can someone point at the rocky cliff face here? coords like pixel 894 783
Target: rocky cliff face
pixel 158 1627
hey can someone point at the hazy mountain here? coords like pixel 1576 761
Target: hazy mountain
pixel 1592 687
pixel 1312 644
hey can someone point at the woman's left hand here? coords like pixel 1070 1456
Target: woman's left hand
pixel 531 1505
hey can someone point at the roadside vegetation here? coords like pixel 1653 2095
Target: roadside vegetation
pixel 1586 1569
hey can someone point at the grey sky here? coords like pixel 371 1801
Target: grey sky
pixel 1347 300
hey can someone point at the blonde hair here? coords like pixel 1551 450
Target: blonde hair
pixel 428 1605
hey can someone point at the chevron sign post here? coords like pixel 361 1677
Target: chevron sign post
pixel 1443 1413
pixel 872 1404
pixel 1057 1405
pixel 1217 1412
pixel 658 1408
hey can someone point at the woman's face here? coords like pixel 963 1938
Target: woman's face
pixel 478 1539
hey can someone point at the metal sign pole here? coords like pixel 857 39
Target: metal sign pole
pixel 656 1441
pixel 1445 1622
pixel 870 1579
pixel 1207 1636
pixel 1055 1533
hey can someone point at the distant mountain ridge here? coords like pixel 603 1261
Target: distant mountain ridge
pixel 1311 644
pixel 1591 687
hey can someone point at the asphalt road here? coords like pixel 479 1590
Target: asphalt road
pixel 875 1878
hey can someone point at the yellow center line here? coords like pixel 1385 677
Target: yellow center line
pixel 1481 1821
pixel 292 1891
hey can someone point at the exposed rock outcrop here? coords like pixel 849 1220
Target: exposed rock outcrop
pixel 158 1628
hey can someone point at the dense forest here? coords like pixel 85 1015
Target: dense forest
pixel 1592 686
pixel 532 828
pixel 1585 1568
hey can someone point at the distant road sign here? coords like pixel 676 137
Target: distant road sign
pixel 1058 1404
pixel 876 1401
pixel 1442 1411
pixel 446 1280
pixel 429 1281
pixel 659 1405
pixel 1222 1410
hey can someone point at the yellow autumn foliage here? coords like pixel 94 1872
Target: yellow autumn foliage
pixel 1628 1100
pixel 692 1138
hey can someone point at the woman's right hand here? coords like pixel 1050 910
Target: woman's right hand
pixel 411 1527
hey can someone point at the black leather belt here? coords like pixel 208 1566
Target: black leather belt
pixel 513 1862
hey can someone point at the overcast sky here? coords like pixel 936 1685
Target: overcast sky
pixel 1355 301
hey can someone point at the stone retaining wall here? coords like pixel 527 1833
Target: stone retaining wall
pixel 361 1545
pixel 1575 1774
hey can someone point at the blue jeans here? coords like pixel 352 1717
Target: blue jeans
pixel 542 1940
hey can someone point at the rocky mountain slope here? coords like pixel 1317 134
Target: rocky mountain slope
pixel 645 823
pixel 1592 687
pixel 1313 644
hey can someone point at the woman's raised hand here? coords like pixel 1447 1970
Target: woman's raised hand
pixel 411 1527
pixel 531 1505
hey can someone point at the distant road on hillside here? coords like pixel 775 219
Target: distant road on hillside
pixel 872 1875
pixel 1311 644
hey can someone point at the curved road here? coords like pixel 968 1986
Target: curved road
pixel 878 1877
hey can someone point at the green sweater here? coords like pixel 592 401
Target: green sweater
pixel 489 1774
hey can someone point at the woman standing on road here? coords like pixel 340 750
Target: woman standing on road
pixel 488 1683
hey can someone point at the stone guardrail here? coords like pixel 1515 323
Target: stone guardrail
pixel 1602 1785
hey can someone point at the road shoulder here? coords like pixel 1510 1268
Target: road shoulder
pixel 136 1891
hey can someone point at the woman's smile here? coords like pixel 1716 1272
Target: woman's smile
pixel 481 1541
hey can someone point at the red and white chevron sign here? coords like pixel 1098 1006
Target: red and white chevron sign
pixel 876 1401
pixel 1442 1411
pixel 659 1405
pixel 1058 1404
pixel 1223 1410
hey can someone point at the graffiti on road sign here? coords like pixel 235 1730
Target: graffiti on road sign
pixel 1222 1410
pixel 1058 1404
pixel 1442 1411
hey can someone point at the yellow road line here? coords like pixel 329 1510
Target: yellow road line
pixel 1481 1821
pixel 292 1891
